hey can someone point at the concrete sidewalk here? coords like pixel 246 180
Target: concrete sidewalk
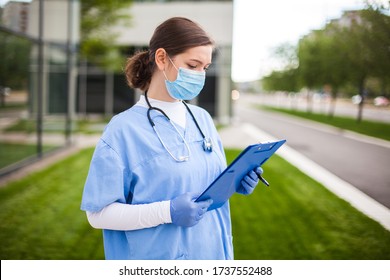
pixel 244 134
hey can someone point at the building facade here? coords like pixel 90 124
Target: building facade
pixel 49 88
pixel 38 68
pixel 100 91
pixel 15 15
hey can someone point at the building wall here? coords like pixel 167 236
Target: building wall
pixel 55 21
pixel 105 93
pixel 15 16
pixel 216 17
pixel 61 19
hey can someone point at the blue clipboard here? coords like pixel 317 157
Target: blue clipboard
pixel 227 183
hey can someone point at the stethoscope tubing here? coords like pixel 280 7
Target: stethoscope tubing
pixel 207 144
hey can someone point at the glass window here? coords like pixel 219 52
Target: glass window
pixel 34 78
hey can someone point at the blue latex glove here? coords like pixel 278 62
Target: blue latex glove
pixel 250 181
pixel 186 212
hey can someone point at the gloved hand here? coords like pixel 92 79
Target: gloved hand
pixel 250 181
pixel 186 212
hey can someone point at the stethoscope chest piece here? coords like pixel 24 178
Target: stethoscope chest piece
pixel 207 145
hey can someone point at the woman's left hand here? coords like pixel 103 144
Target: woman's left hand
pixel 250 181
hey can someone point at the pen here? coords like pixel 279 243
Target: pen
pixel 263 180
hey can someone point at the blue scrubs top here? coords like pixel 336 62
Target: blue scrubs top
pixel 130 165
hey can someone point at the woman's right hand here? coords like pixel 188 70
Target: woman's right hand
pixel 186 212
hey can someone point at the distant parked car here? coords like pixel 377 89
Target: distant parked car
pixel 356 99
pixel 5 91
pixel 381 101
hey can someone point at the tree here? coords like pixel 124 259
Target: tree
pixel 14 52
pixel 309 69
pixel 286 53
pixel 97 40
pixel 358 60
pixel 332 61
pixel 309 60
pixel 348 51
pixel 368 41
pixel 286 79
pixel 378 40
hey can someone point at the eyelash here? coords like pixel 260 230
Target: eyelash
pixel 194 67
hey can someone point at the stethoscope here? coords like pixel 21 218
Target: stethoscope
pixel 207 143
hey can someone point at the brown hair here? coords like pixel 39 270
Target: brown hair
pixel 175 35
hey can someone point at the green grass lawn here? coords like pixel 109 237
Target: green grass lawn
pixel 11 153
pixel 295 218
pixel 41 218
pixel 58 126
pixel 370 128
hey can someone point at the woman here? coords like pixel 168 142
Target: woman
pixel 155 158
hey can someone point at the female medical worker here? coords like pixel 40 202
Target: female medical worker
pixel 156 157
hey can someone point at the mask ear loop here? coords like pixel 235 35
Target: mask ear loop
pixel 166 78
pixel 165 75
pixel 172 63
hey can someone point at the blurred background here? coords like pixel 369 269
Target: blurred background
pixel 316 73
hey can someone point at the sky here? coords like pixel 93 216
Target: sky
pixel 259 26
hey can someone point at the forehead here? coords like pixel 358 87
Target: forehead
pixel 200 53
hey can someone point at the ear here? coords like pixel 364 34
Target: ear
pixel 160 58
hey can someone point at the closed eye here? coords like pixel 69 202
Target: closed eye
pixel 197 64
pixel 191 66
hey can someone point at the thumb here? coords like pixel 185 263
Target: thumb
pixel 259 170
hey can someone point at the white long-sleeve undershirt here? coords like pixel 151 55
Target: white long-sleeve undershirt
pixel 119 216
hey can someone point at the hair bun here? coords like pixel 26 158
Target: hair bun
pixel 138 70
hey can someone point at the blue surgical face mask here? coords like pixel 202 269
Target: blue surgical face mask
pixel 187 85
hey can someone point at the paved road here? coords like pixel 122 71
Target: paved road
pixel 364 165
